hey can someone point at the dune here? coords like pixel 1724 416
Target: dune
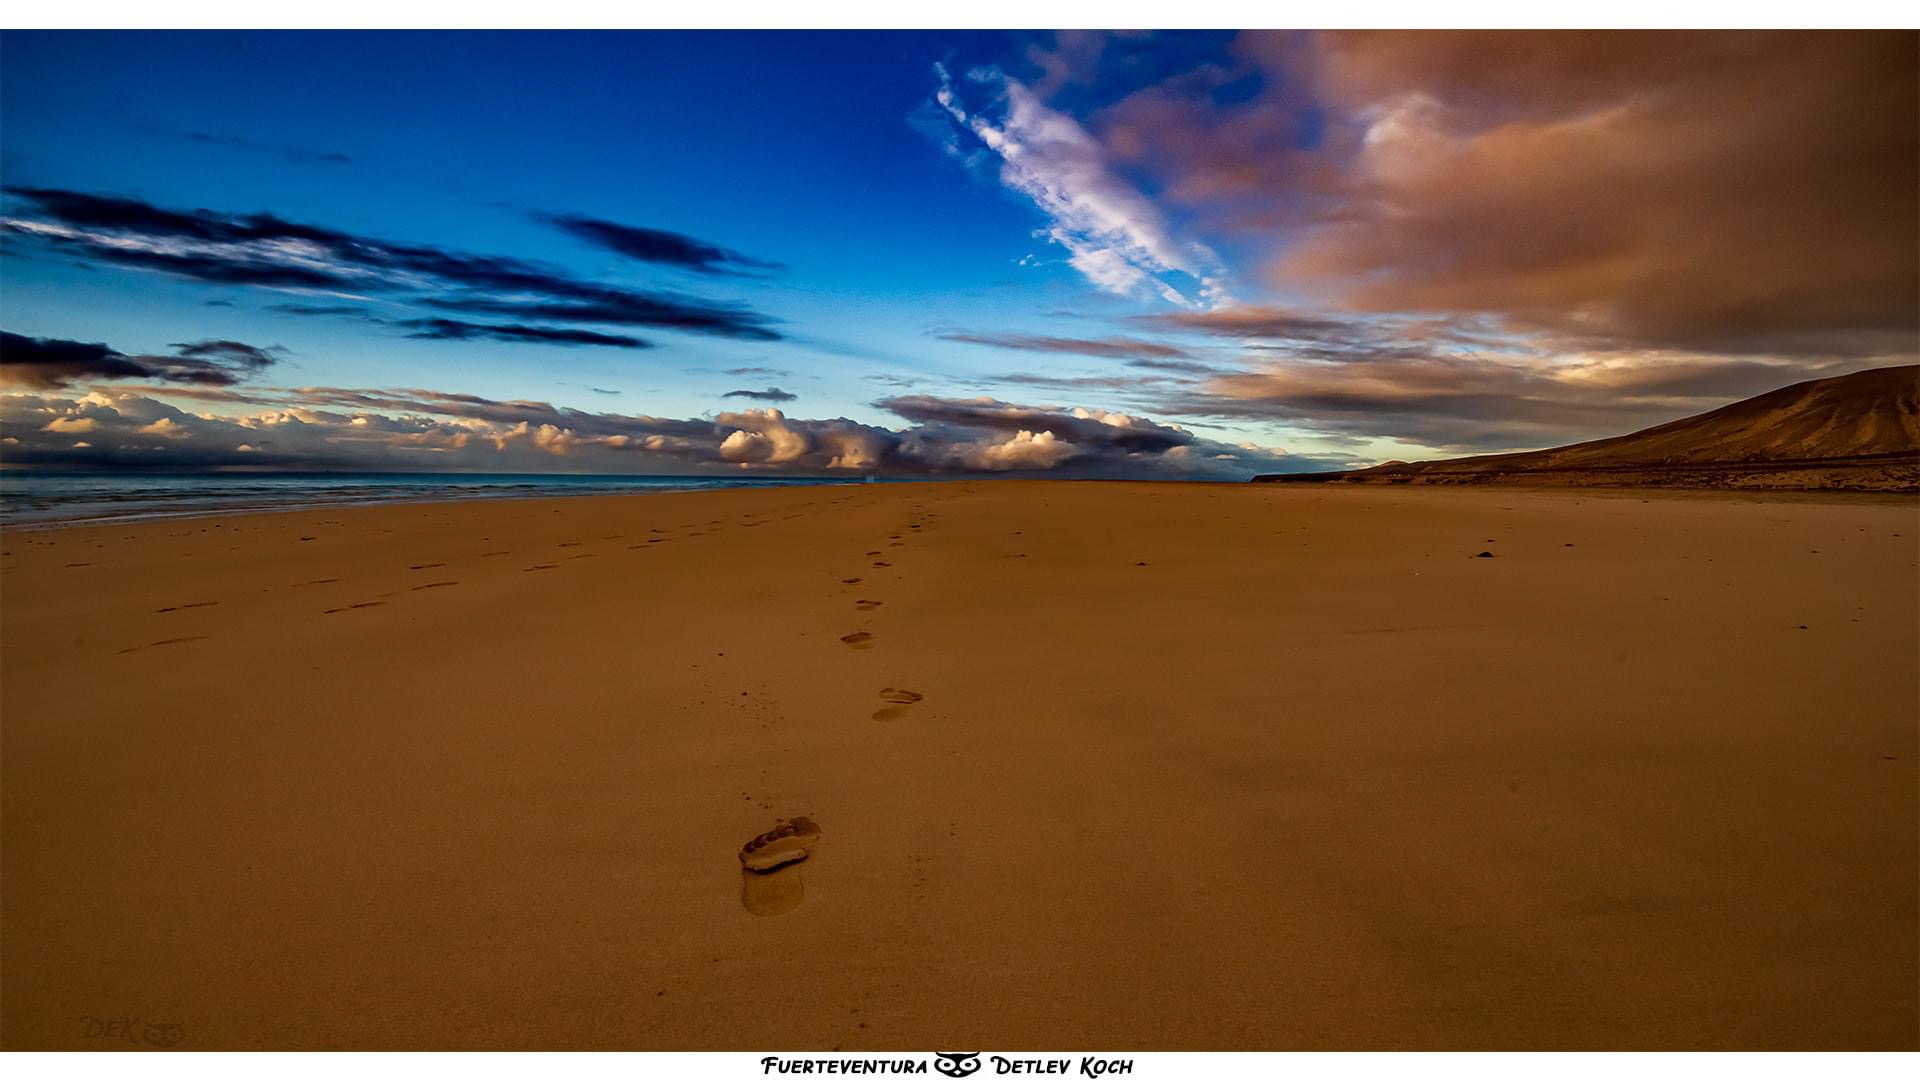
pixel 1850 432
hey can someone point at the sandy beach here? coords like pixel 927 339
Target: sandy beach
pixel 1094 765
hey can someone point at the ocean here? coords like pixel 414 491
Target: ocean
pixel 29 499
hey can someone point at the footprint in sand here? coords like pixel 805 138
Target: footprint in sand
pixel 881 565
pixel 769 882
pixel 899 701
pixel 425 565
pixel 183 607
pixel 866 605
pixel 352 607
pixel 859 639
pixel 849 581
pixel 176 641
pixel 434 585
pixel 542 566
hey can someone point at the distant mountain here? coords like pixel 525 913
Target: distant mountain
pixel 1850 432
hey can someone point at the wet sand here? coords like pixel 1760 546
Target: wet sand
pixel 1093 765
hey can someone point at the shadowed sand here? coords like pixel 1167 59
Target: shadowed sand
pixel 769 882
pixel 1206 767
pixel 787 842
pixel 769 894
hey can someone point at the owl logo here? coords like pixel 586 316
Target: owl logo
pixel 957 1064
pixel 164 1034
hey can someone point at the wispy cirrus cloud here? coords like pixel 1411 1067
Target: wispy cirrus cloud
pixel 443 329
pixel 1117 348
pixel 267 251
pixel 287 152
pixel 771 393
pixel 456 330
pixel 1501 240
pixel 1116 237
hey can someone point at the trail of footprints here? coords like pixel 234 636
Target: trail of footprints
pixel 554 564
pixel 770 879
pixel 771 884
pixel 896 701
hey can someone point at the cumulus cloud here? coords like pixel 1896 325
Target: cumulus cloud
pixel 1026 450
pixel 1115 236
pixel 49 363
pixel 344 427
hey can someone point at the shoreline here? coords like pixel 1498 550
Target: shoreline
pixel 452 495
pixel 1181 766
pixel 1839 497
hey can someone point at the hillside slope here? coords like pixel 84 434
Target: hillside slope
pixel 1849 432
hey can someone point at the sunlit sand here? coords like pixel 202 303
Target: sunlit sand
pixel 1167 766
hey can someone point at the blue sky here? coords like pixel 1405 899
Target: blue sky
pixel 1155 231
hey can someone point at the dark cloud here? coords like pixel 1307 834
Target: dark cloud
pixel 49 363
pixel 454 330
pixel 237 355
pixel 1081 427
pixel 340 311
pixel 598 390
pixel 1113 348
pixel 264 250
pixel 624 308
pixel 659 246
pixel 771 393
